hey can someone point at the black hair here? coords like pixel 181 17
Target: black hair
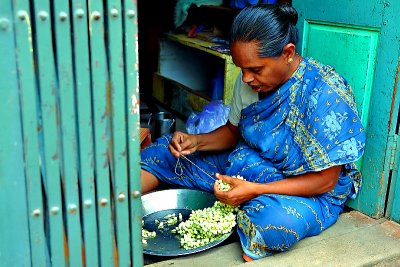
pixel 271 26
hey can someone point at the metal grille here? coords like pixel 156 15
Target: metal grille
pixel 74 98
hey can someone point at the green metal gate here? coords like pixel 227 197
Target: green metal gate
pixel 69 138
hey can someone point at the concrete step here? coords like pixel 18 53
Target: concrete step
pixel 355 240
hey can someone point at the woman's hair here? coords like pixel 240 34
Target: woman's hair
pixel 271 26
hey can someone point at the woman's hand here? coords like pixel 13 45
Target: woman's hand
pixel 223 138
pixel 240 192
pixel 182 143
pixel 305 185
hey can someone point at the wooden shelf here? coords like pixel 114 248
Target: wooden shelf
pixel 190 74
pixel 197 44
pixel 178 97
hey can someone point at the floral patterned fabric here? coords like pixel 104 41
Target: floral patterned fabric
pixel 309 124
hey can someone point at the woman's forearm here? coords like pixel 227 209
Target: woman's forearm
pixel 307 185
pixel 225 137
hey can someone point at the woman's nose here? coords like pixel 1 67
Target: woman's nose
pixel 247 77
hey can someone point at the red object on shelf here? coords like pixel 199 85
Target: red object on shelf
pixel 145 137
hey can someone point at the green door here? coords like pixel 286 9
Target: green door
pixel 393 155
pixel 393 208
pixel 361 40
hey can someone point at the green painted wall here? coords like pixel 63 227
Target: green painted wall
pixel 361 40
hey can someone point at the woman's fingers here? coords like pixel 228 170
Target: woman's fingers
pixel 219 194
pixel 178 144
pixel 174 151
pixel 216 188
pixel 225 178
pixel 186 145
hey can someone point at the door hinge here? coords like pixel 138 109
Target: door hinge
pixel 393 146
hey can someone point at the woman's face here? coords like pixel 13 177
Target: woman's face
pixel 261 74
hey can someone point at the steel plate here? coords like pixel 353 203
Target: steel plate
pixel 157 205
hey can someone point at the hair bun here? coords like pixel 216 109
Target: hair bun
pixel 290 12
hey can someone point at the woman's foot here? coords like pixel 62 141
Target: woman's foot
pixel 246 258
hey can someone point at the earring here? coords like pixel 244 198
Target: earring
pixel 290 60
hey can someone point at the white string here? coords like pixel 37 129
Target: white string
pixel 183 156
pixel 178 165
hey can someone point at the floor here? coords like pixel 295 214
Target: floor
pixel 355 240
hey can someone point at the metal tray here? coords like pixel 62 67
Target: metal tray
pixel 156 205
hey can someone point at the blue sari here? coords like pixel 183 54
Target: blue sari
pixel 307 125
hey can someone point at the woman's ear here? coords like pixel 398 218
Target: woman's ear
pixel 288 52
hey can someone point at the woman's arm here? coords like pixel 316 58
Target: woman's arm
pixel 307 185
pixel 223 138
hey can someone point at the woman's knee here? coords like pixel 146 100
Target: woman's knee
pixel 277 235
pixel 274 226
pixel 148 181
